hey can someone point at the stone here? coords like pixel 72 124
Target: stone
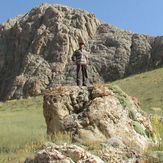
pixel 64 154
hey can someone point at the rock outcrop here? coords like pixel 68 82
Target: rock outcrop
pixel 35 50
pixel 98 114
pixel 101 119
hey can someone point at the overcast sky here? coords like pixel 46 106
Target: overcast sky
pixel 141 16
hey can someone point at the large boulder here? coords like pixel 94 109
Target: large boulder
pixel 100 113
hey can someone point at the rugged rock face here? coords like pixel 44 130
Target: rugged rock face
pixel 97 114
pixel 35 50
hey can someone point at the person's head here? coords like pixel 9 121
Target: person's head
pixel 81 45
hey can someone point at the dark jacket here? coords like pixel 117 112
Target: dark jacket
pixel 80 57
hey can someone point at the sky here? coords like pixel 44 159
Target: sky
pixel 140 16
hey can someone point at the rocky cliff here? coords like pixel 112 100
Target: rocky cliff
pixel 35 50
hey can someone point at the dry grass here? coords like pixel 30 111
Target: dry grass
pixel 61 138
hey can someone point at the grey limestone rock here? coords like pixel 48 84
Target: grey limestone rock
pixel 36 49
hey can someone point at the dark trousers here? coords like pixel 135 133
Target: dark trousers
pixel 82 75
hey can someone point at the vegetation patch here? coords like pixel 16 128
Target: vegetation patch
pixel 138 128
pixel 122 97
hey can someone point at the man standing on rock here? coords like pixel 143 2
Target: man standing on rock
pixel 1 29
pixel 80 58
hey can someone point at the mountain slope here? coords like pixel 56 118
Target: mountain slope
pixel 36 48
pixel 147 87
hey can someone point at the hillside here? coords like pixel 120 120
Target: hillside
pixel 147 87
pixel 35 50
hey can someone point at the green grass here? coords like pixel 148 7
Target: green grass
pixel 147 87
pixel 22 129
pixel 156 150
pixel 158 130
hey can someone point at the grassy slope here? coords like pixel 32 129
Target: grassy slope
pixel 147 87
pixel 22 128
